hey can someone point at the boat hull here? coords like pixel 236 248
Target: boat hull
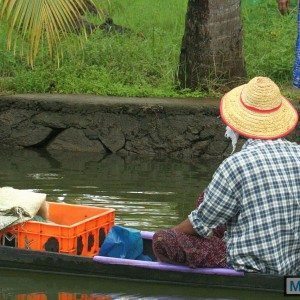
pixel 14 258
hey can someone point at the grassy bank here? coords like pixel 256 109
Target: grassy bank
pixel 143 63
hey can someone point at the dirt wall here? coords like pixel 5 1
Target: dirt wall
pixel 182 128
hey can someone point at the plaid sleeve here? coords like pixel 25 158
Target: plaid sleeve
pixel 219 205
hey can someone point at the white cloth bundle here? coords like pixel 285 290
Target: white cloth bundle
pixel 17 206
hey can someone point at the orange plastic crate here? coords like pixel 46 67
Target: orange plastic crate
pixel 77 230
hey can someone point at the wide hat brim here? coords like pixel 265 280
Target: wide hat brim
pixel 257 124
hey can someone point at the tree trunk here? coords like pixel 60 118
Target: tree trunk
pixel 212 50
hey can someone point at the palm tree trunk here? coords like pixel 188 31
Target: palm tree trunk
pixel 212 50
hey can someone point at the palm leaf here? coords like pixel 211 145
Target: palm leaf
pixel 33 22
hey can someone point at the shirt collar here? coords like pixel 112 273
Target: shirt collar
pixel 255 142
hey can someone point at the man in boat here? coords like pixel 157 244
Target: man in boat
pixel 255 192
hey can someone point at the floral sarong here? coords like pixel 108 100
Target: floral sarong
pixel 194 251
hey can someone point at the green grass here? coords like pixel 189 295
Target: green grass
pixel 144 63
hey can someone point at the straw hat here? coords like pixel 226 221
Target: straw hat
pixel 258 110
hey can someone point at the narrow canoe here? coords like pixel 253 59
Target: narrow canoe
pixel 106 267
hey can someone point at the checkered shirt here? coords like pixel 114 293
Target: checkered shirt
pixel 256 193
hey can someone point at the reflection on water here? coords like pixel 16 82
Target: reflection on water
pixel 44 176
pixel 42 286
pixel 74 296
pixel 146 193
pixel 63 296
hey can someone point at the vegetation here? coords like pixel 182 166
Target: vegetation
pixel 142 61
pixel 33 24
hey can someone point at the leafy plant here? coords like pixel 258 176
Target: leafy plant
pixel 143 62
pixel 31 24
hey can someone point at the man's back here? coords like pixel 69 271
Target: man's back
pixel 255 192
pixel 265 233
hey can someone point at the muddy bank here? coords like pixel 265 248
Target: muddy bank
pixel 154 127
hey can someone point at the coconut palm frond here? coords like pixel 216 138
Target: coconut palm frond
pixel 40 20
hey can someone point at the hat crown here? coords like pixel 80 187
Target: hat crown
pixel 261 93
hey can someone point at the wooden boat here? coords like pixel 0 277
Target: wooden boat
pixel 105 267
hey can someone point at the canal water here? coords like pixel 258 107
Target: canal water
pixel 147 193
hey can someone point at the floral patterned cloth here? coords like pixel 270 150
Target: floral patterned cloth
pixel 194 251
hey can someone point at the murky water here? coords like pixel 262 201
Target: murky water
pixel 147 194
pixel 33 286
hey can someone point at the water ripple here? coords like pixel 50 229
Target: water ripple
pixel 45 176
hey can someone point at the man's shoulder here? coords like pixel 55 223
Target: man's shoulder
pixel 252 145
pixel 233 162
pixel 259 150
pixel 240 160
